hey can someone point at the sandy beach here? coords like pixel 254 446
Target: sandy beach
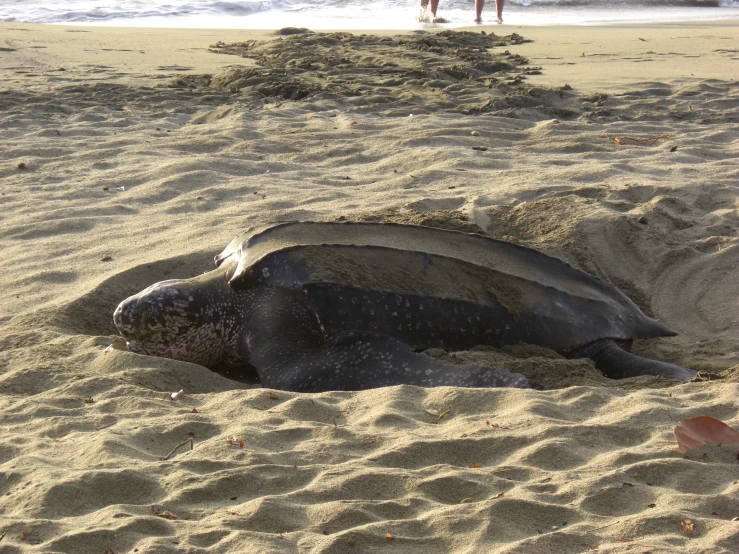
pixel 130 156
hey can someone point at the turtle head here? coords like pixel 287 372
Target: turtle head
pixel 177 319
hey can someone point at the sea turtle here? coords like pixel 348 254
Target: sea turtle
pixel 316 306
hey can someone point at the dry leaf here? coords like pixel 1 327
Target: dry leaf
pixel 273 396
pixel 467 500
pixel 498 426
pixel 697 431
pixel 194 411
pixel 389 537
pixel 233 441
pixel 500 495
pixel 487 422
pixel 166 515
pixel 477 465
pixel 24 534
pixel 687 527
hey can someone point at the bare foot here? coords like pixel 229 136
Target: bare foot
pixel 424 16
pixel 499 20
pixel 478 20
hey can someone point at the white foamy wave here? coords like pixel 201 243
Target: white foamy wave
pixel 89 11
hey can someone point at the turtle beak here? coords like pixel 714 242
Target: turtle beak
pixel 134 317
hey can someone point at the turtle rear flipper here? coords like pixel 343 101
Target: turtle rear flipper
pixel 359 361
pixel 617 363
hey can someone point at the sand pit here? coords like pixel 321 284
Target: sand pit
pixel 121 165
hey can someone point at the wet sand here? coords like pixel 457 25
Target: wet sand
pixel 129 156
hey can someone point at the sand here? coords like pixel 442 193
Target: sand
pixel 129 156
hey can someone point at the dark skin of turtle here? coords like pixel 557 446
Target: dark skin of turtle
pixel 343 306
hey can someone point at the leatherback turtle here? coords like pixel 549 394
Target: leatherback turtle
pixel 344 306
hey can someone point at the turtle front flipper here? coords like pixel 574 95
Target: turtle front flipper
pixel 284 341
pixel 359 361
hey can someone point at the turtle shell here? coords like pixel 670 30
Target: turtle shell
pixel 485 291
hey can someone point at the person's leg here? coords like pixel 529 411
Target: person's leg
pixel 479 4
pixel 434 5
pixel 499 10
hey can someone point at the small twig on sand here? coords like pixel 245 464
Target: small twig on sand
pixel 168 456
pixel 599 528
pixel 105 426
pixel 631 140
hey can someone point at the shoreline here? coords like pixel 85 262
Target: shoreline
pixel 588 58
pixel 407 18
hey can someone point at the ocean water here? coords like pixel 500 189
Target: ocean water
pixel 354 14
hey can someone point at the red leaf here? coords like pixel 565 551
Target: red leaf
pixel 697 431
pixel 477 465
